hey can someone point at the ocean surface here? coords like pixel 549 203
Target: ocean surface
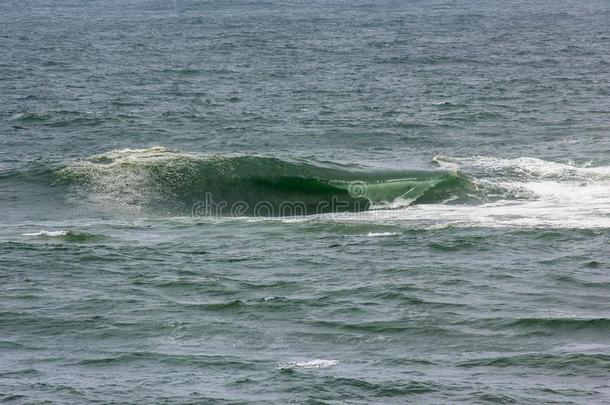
pixel 322 202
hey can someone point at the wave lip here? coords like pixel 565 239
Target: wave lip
pixel 172 181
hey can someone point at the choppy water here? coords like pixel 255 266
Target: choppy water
pixel 435 189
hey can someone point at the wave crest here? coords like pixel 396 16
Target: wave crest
pixel 172 181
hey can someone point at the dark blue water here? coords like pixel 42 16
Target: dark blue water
pixel 304 202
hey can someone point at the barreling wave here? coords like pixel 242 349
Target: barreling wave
pixel 160 179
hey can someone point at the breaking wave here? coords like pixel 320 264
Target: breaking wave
pixel 160 179
pixel 461 191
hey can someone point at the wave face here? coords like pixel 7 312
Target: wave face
pixel 473 191
pixel 160 179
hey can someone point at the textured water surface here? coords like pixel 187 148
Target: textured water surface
pixel 304 202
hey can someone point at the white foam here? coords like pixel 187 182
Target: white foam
pixel 555 195
pixel 119 179
pixel 377 234
pixel 524 165
pixel 399 202
pixel 293 220
pixel 122 156
pixel 583 347
pixel 48 233
pixel 541 213
pixel 315 363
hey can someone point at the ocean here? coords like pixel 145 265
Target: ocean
pixel 322 202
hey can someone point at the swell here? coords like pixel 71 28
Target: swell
pixel 563 324
pixel 572 362
pixel 170 181
pixel 159 181
pixel 60 118
pixel 550 326
pixel 34 173
pixel 211 361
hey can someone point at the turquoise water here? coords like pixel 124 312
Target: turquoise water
pixel 288 202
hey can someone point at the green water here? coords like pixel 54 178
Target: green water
pixel 284 202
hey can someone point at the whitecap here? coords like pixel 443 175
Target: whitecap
pixel 314 363
pixel 376 234
pixel 49 234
